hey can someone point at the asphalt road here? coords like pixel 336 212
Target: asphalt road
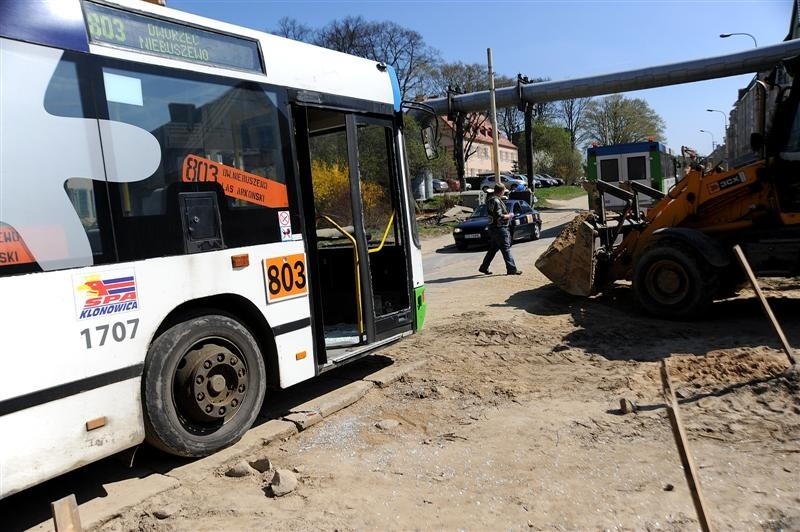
pixel 444 264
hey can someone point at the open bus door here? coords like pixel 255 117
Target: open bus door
pixel 358 268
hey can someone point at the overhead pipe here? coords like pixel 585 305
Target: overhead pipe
pixel 721 66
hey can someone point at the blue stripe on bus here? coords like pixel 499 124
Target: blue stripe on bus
pixel 619 149
pixel 118 280
pixel 57 23
pixel 122 290
pixel 395 88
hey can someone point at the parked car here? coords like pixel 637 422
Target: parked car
pixel 536 182
pixel 440 185
pixel 526 224
pixel 454 185
pixel 550 180
pixel 543 180
pixel 557 182
pixel 512 182
pixel 531 182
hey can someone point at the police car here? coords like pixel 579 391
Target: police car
pixel 525 225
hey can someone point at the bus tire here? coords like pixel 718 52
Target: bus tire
pixel 203 385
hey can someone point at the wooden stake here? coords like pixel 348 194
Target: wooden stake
pixel 65 514
pixel 689 469
pixel 765 304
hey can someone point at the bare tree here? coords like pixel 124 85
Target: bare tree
pixel 572 113
pixel 407 53
pixel 463 78
pixel 351 35
pixel 292 29
pixel 387 42
pixel 510 120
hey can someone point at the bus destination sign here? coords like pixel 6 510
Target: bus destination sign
pixel 136 31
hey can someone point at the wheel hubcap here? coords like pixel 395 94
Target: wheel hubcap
pixel 211 382
pixel 667 282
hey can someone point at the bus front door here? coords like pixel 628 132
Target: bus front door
pixel 358 265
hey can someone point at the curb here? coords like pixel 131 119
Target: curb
pixel 96 512
pixel 332 402
pixel 386 376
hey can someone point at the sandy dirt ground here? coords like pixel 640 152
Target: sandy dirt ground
pixel 514 423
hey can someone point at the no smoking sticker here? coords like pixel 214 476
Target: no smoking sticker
pixel 285 222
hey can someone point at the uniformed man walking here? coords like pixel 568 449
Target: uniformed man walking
pixel 499 235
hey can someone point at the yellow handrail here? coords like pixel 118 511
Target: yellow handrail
pixel 358 270
pixel 385 234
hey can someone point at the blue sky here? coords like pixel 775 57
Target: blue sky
pixel 563 39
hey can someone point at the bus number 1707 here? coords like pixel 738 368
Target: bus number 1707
pixel 119 332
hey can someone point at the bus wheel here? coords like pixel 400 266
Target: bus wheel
pixel 203 385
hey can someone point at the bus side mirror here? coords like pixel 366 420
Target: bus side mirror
pixel 429 142
pixel 756 141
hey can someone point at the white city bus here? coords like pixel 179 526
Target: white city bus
pixel 191 213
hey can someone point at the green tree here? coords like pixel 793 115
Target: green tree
pixel 418 163
pixel 616 119
pixel 553 153
pixel 572 113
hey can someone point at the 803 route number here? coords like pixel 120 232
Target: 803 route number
pixel 285 276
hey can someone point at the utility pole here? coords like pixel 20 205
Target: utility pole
pixel 527 108
pixel 493 107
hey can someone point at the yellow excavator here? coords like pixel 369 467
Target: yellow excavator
pixel 678 252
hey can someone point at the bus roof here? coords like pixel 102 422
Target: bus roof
pixel 632 147
pixel 294 64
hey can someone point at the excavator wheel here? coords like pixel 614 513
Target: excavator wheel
pixel 671 281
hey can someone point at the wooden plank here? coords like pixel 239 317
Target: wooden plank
pixel 782 337
pixel 65 514
pixel 689 468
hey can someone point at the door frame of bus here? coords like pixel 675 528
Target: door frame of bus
pixel 384 325
pixel 362 249
pixel 299 111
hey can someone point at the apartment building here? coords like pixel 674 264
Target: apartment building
pixel 480 155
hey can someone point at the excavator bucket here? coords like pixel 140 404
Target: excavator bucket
pixel 570 260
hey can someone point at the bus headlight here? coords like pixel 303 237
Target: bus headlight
pixel 457 230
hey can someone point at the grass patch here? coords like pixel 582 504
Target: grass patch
pixel 565 192
pixel 431 211
pixel 429 230
pixel 439 203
